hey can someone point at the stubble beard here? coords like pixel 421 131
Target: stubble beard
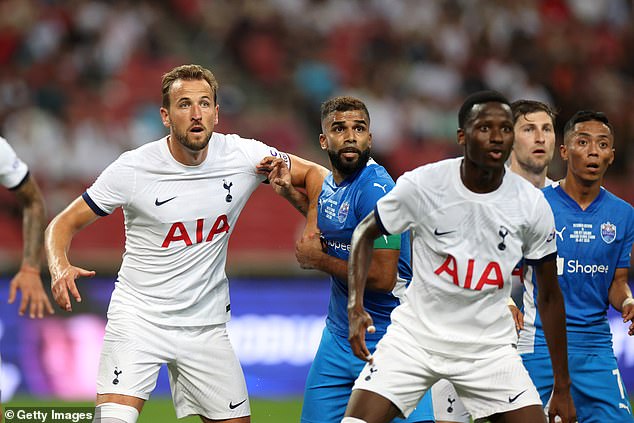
pixel 533 166
pixel 183 140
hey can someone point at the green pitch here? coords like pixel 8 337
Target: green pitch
pixel 161 410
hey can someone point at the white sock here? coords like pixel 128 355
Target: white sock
pixel 352 420
pixel 111 412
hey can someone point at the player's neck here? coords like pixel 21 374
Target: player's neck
pixel 537 179
pixel 582 192
pixel 479 179
pixel 185 155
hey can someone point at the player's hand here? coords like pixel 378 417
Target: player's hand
pixel 33 295
pixel 308 251
pixel 628 316
pixel 65 283
pixel 561 405
pixel 278 174
pixel 518 317
pixel 360 322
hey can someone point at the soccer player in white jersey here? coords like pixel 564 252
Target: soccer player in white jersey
pixel 472 223
pixel 15 175
pixel 533 150
pixel 181 196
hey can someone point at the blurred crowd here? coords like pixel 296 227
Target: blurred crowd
pixel 80 79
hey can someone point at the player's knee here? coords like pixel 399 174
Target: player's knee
pixel 352 420
pixel 111 412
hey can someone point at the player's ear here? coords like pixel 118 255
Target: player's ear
pixel 563 151
pixel 370 140
pixel 217 114
pixel 322 142
pixel 165 117
pixel 460 135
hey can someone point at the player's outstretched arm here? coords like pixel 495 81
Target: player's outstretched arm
pixel 28 279
pixel 381 275
pixel 58 237
pixel 620 296
pixel 358 264
pixel 550 303
pixel 303 174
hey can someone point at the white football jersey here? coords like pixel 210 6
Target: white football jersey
pixel 465 246
pixel 12 169
pixel 178 220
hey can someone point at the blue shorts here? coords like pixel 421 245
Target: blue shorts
pixel 597 389
pixel 330 380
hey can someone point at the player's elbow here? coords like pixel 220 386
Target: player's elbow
pixel 381 284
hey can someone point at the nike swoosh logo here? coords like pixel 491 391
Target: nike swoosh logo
pixel 160 203
pixel 437 233
pixel 512 399
pixel 232 405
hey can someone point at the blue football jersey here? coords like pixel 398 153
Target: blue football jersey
pixel 340 209
pixel 591 245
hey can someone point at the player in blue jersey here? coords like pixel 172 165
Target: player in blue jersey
pixel 347 195
pixel 595 231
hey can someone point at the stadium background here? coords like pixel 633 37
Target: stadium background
pixel 80 83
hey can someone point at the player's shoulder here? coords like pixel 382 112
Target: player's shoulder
pixel 234 141
pixel 524 189
pixel 374 172
pixel 616 203
pixel 436 176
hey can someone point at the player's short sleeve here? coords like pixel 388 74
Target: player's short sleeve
pixel 13 171
pixel 539 240
pixel 257 150
pixel 114 188
pixel 626 254
pixel 396 211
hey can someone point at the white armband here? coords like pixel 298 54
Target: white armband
pixel 628 300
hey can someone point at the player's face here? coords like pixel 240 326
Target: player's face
pixel 192 114
pixel 347 139
pixel 534 144
pixel 488 135
pixel 588 150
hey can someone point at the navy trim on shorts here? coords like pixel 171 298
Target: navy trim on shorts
pixel 549 257
pixel 92 205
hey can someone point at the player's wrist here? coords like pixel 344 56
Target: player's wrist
pixel 627 301
pixel 26 268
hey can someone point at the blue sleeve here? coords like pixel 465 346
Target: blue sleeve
pixel 370 192
pixel 628 240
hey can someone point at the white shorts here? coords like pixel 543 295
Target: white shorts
pixel 447 404
pixel 204 372
pixel 403 371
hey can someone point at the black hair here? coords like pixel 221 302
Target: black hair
pixel 479 98
pixel 343 104
pixel 585 116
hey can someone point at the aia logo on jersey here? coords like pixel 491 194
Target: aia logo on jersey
pixel 608 232
pixel 343 212
pixel 492 274
pixel 178 232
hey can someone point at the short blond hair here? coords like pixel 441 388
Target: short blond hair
pixel 187 72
